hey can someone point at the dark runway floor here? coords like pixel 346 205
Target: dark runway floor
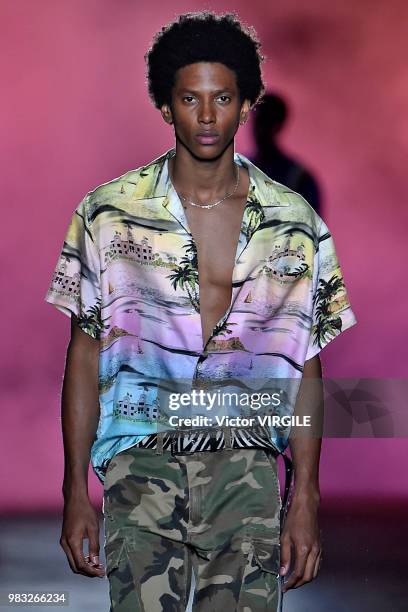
pixel 364 567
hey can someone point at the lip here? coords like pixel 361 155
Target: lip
pixel 207 138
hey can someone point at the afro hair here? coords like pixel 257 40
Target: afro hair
pixel 204 37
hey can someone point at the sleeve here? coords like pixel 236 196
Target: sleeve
pixel 332 313
pixel 75 285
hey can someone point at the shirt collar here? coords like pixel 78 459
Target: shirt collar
pixel 154 182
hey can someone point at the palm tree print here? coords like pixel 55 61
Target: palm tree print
pixel 91 320
pixel 191 255
pixel 254 213
pixel 328 324
pixel 185 278
pixel 185 275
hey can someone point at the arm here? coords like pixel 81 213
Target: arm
pixel 301 531
pixel 80 415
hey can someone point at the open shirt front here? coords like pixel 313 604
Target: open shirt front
pixel 128 270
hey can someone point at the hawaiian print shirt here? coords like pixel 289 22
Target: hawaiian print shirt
pixel 128 270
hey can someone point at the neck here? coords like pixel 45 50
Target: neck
pixel 202 180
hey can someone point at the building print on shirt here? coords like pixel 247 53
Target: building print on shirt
pixel 286 264
pixel 139 252
pixel 141 410
pixel 128 248
pixel 65 284
pixel 63 281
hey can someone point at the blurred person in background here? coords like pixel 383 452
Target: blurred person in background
pixel 269 119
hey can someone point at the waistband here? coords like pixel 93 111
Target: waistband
pixel 188 441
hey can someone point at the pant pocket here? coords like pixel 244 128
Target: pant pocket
pixel 260 581
pixel 267 555
pixel 271 458
pixel 122 588
pixel 114 552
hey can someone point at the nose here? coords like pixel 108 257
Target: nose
pixel 206 113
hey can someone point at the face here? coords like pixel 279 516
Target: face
pixel 206 109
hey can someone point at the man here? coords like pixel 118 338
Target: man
pixel 196 267
pixel 270 118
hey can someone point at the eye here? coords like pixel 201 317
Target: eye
pixel 188 99
pixel 224 98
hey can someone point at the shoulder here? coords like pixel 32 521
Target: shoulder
pixel 116 193
pixel 299 208
pixel 292 207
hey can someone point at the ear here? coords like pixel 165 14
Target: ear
pixel 166 114
pixel 244 112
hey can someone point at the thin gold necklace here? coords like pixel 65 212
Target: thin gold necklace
pixel 218 201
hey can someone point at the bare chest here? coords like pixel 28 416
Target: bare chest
pixel 216 235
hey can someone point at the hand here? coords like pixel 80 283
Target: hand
pixel 301 532
pixel 81 522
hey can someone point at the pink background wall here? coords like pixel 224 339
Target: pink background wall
pixel 76 114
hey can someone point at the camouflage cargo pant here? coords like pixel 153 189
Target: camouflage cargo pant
pixel 214 512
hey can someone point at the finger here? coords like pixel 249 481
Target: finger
pixel 70 558
pixel 317 564
pixel 76 549
pixel 93 536
pixel 79 558
pixel 298 571
pixel 308 571
pixel 285 556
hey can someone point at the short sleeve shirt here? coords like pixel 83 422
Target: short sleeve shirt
pixel 128 270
